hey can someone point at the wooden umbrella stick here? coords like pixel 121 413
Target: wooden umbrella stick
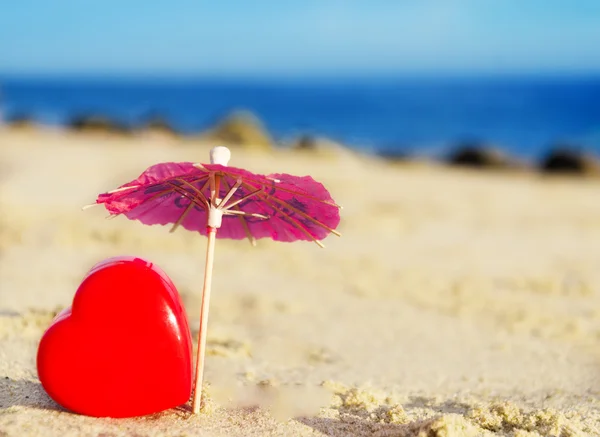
pixel 210 251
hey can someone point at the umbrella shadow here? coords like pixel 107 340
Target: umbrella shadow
pixel 24 393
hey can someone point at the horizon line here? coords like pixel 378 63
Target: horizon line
pixel 295 76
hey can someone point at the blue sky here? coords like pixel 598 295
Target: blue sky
pixel 308 37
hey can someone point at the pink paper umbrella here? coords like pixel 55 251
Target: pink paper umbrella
pixel 240 204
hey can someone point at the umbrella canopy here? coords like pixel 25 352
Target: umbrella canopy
pixel 277 206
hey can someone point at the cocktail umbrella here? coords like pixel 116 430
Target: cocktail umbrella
pixel 239 204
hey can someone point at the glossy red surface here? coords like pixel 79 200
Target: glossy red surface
pixel 124 348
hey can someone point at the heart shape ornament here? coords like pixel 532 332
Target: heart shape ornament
pixel 123 348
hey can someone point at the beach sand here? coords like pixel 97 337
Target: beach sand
pixel 456 302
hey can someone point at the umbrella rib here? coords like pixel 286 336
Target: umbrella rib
pixel 199 192
pixel 249 235
pixel 118 190
pixel 186 194
pixel 215 188
pixel 202 191
pixel 303 214
pixel 156 196
pixel 199 178
pixel 230 192
pixel 182 217
pixel 246 197
pixel 308 196
pixel 294 222
pixel 249 214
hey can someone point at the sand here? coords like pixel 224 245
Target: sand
pixel 456 302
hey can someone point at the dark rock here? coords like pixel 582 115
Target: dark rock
pixel 319 146
pixel 19 120
pixel 240 129
pixel 394 154
pixel 158 124
pixel 569 160
pixel 476 155
pixel 306 142
pixel 96 124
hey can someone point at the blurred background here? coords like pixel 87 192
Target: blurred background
pixel 395 78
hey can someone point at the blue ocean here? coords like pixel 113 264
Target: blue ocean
pixel 427 116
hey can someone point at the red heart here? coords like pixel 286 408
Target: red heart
pixel 124 348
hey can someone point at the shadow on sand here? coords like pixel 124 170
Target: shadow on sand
pixel 24 393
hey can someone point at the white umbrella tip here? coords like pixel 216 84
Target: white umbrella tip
pixel 220 155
